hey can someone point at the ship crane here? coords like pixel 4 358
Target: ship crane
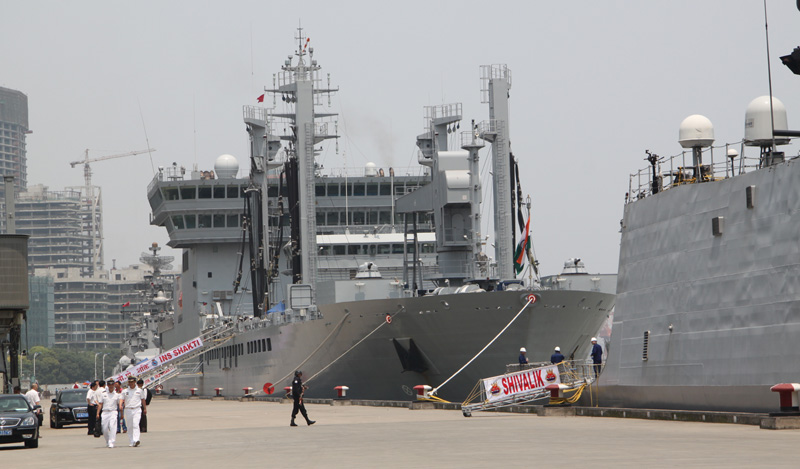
pixel 92 201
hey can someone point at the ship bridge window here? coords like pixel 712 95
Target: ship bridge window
pixel 191 222
pixel 219 221
pixel 339 250
pixel 204 192
pixel 372 189
pixel 320 219
pixel 204 221
pixel 384 218
pixel 372 217
pixel 233 221
pixel 333 190
pixel 188 193
pixel 354 249
pixel 384 248
pixel 233 192
pixel 319 190
pixel 358 189
pixel 332 218
pixel 324 250
pixel 386 189
pixel 156 199
pixel 427 248
pixel 358 218
pixel 219 192
pixel 397 248
pixel 171 193
pixel 177 221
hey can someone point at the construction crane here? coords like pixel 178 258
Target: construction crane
pixel 87 170
pixel 95 225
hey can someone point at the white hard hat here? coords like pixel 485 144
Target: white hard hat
pixel 558 349
pixel 523 350
pixel 594 339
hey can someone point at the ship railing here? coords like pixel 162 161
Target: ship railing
pixel 678 170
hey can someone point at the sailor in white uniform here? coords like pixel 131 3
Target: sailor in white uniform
pixel 134 407
pixel 108 410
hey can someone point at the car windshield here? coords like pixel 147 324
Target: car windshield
pixel 73 397
pixel 14 404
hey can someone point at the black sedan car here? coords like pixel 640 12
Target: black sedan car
pixel 18 423
pixel 69 407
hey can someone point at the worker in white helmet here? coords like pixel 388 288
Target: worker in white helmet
pixel 523 360
pixel 556 357
pixel 597 357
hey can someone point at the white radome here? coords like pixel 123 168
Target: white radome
pixel 226 166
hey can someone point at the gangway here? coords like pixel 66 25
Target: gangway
pixel 523 384
pixel 166 369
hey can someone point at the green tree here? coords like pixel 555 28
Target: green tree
pixel 61 366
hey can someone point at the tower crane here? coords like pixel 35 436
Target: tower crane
pixel 95 225
pixel 87 170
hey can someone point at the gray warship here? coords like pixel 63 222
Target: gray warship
pixel 373 279
pixel 708 297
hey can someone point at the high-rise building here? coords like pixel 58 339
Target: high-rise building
pixel 13 129
pixel 55 221
pixel 39 328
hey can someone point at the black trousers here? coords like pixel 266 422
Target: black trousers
pixel 299 406
pixel 92 417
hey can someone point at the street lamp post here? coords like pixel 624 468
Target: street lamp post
pixel 34 363
pixel 104 365
pixel 95 365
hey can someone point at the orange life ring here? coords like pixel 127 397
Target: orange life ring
pixel 388 319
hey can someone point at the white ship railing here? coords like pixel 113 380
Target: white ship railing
pixel 678 170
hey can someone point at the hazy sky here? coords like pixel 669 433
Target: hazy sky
pixel 594 84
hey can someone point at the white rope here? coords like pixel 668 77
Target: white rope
pixel 484 348
pixel 351 348
pixel 341 321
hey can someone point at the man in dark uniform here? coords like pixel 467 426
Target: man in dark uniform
pixel 556 357
pixel 597 356
pixel 297 395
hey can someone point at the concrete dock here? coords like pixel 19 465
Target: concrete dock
pixel 206 433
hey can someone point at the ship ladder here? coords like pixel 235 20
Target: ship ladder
pixel 211 338
pixel 575 378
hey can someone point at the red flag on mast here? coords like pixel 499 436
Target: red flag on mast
pixel 126 304
pixel 260 99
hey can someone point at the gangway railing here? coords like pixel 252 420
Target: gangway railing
pixel 162 372
pixel 524 384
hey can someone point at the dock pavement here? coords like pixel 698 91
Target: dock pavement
pixel 230 434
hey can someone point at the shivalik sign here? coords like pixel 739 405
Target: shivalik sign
pixel 535 379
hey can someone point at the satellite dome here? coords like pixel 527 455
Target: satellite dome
pixel 370 170
pixel 696 131
pixel 758 125
pixel 124 361
pixel 226 166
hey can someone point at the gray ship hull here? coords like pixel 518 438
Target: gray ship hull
pixel 446 330
pixel 722 311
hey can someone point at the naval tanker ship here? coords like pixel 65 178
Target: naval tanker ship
pixel 708 293
pixel 373 279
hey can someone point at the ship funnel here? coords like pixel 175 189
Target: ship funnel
pixel 758 126
pixel 696 131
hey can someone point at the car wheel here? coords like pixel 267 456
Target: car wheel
pixel 52 423
pixel 58 425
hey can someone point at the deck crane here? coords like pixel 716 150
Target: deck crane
pixel 92 201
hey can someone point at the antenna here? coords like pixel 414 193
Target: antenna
pixel 769 76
